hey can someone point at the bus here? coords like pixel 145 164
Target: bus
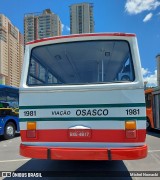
pixel 9 120
pixel 9 96
pixel 82 98
pixel 152 96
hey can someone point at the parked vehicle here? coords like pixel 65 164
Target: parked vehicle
pixel 9 123
pixel 82 98
pixel 152 96
pixel 9 116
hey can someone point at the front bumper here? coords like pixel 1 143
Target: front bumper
pixel 58 153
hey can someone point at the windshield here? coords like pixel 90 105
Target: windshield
pixel 83 62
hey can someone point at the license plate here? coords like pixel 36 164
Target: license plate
pixel 79 133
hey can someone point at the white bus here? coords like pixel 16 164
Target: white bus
pixel 82 98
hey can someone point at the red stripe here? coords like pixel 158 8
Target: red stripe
pixel 80 35
pixel 61 135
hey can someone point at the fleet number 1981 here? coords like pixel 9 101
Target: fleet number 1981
pixel 29 113
pixel 132 111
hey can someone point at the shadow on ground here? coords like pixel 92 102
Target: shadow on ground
pixel 2 138
pixel 85 170
pixel 154 132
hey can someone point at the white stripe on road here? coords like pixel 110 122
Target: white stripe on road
pixel 154 151
pixel 14 160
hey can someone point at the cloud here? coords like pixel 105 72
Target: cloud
pixel 147 17
pixel 145 71
pixel 138 6
pixel 65 28
pixel 150 78
pixel 62 25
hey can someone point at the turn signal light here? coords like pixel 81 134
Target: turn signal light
pixel 130 125
pixel 31 125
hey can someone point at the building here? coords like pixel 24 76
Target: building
pixel 81 18
pixel 11 52
pixel 41 25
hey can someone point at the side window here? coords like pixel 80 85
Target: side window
pixel 2 95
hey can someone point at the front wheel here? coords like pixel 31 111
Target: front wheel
pixel 9 131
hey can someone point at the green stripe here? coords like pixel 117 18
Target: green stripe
pixel 84 106
pixel 83 119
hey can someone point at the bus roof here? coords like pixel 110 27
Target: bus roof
pixel 9 87
pixel 81 35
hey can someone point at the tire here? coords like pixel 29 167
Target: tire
pixel 148 125
pixel 9 130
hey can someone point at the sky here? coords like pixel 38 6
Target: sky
pixel 141 17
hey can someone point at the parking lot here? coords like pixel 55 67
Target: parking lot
pixel 10 160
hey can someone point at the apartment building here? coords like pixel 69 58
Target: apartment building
pixel 81 18
pixel 11 52
pixel 41 25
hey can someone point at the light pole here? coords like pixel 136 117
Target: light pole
pixel 145 84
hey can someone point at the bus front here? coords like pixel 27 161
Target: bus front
pixel 82 98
